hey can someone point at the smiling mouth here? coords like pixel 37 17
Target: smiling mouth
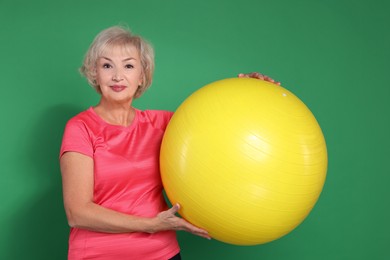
pixel 118 88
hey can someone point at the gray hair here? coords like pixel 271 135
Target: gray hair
pixel 118 36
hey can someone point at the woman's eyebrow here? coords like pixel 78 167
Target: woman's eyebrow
pixel 126 59
pixel 130 58
pixel 107 58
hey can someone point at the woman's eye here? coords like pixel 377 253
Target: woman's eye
pixel 129 66
pixel 106 66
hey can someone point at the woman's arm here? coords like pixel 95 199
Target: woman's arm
pixel 82 212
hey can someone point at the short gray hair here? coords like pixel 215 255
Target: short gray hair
pixel 113 37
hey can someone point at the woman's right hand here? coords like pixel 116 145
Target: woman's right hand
pixel 167 220
pixel 82 212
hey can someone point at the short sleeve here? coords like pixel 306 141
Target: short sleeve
pixel 76 139
pixel 159 118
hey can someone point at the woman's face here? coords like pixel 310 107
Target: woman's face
pixel 119 73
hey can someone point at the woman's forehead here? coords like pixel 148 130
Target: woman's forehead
pixel 120 49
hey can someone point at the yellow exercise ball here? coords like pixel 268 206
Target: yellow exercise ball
pixel 245 159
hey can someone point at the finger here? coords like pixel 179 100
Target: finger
pixel 243 75
pixel 204 235
pixel 174 209
pixel 201 233
pixel 193 229
pixel 257 75
pixel 197 231
pixel 266 78
pixel 184 225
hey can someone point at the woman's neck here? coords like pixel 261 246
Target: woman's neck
pixel 115 114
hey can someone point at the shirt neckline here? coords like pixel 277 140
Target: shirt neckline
pixel 101 120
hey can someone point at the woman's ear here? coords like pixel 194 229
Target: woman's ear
pixel 141 79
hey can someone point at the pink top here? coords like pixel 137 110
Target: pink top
pixel 127 179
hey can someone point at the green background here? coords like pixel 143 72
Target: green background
pixel 333 54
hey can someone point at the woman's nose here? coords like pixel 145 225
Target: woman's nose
pixel 117 76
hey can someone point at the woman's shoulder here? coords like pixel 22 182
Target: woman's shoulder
pixel 86 118
pixel 156 113
pixel 158 118
pixel 81 115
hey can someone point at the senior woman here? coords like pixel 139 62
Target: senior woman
pixel 109 160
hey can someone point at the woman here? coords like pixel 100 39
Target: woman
pixel 109 160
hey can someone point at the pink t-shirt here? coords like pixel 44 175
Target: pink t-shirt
pixel 126 179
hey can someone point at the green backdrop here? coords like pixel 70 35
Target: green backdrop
pixel 333 54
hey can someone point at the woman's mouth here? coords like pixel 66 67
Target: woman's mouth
pixel 118 88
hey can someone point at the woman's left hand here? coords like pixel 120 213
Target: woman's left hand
pixel 257 75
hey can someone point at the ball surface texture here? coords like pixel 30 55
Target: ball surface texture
pixel 245 159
